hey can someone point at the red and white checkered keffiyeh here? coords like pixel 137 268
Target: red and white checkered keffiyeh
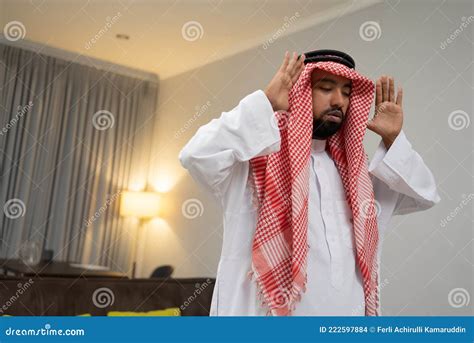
pixel 280 248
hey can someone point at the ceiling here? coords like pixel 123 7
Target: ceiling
pixel 158 40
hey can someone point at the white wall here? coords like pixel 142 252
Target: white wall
pixel 422 260
pixel 2 14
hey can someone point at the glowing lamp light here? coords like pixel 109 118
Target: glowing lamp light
pixel 140 204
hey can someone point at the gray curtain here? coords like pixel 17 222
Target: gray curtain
pixel 72 137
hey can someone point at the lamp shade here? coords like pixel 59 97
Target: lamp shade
pixel 139 204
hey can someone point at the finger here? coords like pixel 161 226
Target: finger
pixel 384 89
pixel 298 68
pixel 301 58
pixel 391 90
pixel 378 92
pixel 295 65
pixel 400 96
pixel 298 71
pixel 286 59
pixel 291 65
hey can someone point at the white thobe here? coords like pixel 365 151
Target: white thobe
pixel 217 157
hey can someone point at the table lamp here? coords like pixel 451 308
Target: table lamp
pixel 141 205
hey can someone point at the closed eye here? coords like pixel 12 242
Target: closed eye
pixel 347 94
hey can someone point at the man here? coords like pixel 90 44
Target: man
pixel 304 213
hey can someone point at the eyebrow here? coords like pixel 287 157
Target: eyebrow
pixel 328 80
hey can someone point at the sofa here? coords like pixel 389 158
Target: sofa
pixel 97 297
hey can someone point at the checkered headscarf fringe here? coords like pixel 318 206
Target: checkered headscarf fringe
pixel 279 250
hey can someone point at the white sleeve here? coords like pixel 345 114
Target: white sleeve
pixel 245 132
pixel 402 170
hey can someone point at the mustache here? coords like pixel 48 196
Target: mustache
pixel 334 111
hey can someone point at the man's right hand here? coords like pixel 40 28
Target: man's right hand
pixel 279 87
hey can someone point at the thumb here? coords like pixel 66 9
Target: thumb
pixel 371 125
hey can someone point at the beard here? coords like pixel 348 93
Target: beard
pixel 323 128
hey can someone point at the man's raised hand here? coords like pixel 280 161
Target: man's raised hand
pixel 388 119
pixel 279 87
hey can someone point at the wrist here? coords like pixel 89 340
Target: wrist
pixel 270 99
pixel 389 139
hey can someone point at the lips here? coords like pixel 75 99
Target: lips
pixel 335 116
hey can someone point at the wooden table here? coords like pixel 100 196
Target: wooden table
pixel 54 269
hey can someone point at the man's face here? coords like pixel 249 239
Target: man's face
pixel 330 102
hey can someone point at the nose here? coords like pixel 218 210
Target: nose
pixel 337 99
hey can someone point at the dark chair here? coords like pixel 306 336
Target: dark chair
pixel 162 272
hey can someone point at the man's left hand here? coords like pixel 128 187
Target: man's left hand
pixel 388 118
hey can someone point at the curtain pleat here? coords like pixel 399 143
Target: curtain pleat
pixel 65 172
